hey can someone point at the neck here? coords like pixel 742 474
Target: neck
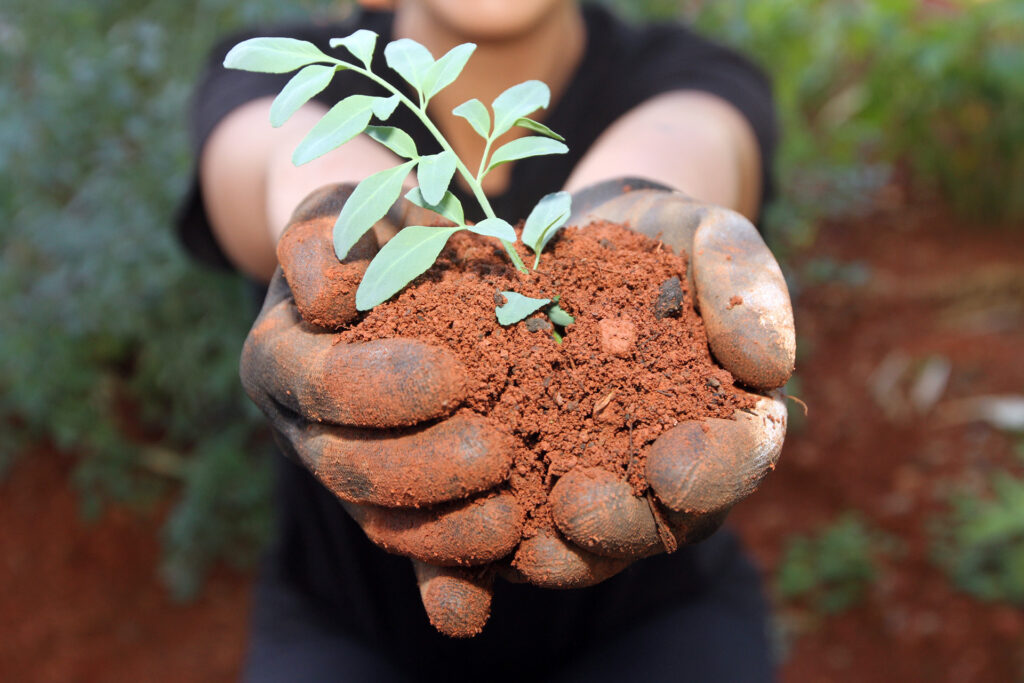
pixel 549 52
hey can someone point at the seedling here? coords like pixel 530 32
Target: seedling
pixel 414 249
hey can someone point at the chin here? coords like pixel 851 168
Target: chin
pixel 491 20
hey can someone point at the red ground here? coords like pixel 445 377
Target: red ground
pixel 82 602
pixel 78 607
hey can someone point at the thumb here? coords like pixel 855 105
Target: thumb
pixel 457 601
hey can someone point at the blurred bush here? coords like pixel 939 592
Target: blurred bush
pixel 831 570
pixel 113 346
pixel 866 85
pixel 980 543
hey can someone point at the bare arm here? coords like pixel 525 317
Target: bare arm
pixel 693 141
pixel 250 185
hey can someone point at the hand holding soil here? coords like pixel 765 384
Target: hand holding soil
pixel 349 413
pixel 699 468
pixel 561 463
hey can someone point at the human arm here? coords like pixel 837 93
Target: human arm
pixel 250 185
pixel 693 141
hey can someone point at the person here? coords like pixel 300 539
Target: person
pixel 657 103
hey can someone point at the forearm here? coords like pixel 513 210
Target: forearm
pixel 692 141
pixel 250 185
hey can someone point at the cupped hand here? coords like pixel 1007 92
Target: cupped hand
pixel 698 469
pixel 376 422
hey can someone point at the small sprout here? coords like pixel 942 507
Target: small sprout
pixel 560 317
pixel 517 307
pixel 415 248
pixel 544 221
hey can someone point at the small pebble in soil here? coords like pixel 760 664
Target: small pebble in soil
pixel 500 299
pixel 538 325
pixel 713 383
pixel 617 336
pixel 670 298
pixel 606 243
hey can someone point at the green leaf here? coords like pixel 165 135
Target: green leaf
pixel 559 316
pixel 494 227
pixel 538 127
pixel 341 123
pixel 410 59
pixel 523 148
pixel 384 107
pixel 299 90
pixel 274 55
pixel 450 207
pixel 517 307
pixel 435 174
pixel 406 255
pixel 518 101
pixel 446 69
pixel 360 44
pixel 544 220
pixel 475 112
pixel 368 203
pixel 395 139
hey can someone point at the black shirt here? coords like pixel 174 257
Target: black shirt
pixel 351 586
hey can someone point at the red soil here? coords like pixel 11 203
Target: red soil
pixel 82 601
pixel 620 378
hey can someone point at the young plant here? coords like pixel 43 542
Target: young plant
pixel 414 249
pixel 833 569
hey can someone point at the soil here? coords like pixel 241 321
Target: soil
pixel 629 368
pixel 85 609
pixel 82 601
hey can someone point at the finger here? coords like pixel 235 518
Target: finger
pixel 743 300
pixel 597 511
pixel 652 210
pixel 548 561
pixel 408 468
pixel 382 383
pixel 467 533
pixel 585 202
pixel 708 466
pixel 277 291
pixel 324 287
pixel 689 528
pixel 457 601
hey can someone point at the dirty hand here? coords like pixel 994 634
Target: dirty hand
pixel 354 415
pixel 697 470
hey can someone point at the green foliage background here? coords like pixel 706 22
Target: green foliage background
pixel 113 345
pixel 117 349
pixel 980 543
pixel 832 570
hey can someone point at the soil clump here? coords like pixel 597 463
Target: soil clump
pixel 634 364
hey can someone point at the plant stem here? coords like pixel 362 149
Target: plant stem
pixel 421 114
